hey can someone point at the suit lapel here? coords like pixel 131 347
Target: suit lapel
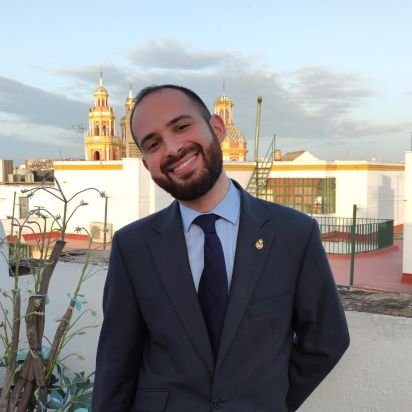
pixel 253 245
pixel 171 259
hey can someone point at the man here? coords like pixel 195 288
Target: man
pixel 278 327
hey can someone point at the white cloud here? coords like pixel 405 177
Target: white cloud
pixel 312 107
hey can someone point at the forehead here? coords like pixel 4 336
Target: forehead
pixel 159 108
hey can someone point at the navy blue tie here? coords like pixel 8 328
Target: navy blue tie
pixel 213 286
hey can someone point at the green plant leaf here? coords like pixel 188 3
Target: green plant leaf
pixel 55 400
pixel 45 352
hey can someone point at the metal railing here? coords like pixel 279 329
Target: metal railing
pixel 370 234
pixel 257 184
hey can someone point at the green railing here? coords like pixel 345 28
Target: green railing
pixel 370 234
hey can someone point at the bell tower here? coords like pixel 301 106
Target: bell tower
pixel 130 148
pixel 224 108
pixel 101 142
pixel 234 146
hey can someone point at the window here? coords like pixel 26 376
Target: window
pixel 309 195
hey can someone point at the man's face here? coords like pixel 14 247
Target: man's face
pixel 180 148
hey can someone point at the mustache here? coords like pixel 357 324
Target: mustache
pixel 170 160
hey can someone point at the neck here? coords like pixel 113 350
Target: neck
pixel 210 199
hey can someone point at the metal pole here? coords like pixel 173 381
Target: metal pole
pixel 12 215
pixel 105 223
pixel 257 132
pixel 259 106
pixel 353 244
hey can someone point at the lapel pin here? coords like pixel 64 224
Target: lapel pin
pixel 259 244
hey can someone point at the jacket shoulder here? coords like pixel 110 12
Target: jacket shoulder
pixel 141 227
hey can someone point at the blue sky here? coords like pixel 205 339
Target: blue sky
pixel 335 76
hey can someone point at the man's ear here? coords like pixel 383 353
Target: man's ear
pixel 218 125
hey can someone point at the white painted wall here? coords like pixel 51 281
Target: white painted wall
pixel 132 194
pixel 64 281
pixel 351 188
pixel 407 228
pixel 375 373
pixel 385 198
pixel 377 194
pixel 121 186
pixel 242 175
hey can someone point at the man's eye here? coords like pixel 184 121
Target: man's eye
pixel 150 147
pixel 182 127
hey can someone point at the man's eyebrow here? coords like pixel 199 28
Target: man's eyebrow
pixel 178 118
pixel 168 124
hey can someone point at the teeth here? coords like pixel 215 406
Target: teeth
pixel 184 164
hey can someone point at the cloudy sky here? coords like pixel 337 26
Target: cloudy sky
pixel 335 76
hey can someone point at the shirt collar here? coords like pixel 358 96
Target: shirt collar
pixel 228 208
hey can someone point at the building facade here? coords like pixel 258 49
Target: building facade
pixel 130 147
pixel 101 140
pixel 234 146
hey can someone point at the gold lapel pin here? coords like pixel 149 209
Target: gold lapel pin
pixel 259 244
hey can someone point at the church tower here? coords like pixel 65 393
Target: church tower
pixel 130 147
pixel 234 146
pixel 101 142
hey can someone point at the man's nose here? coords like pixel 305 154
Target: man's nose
pixel 173 146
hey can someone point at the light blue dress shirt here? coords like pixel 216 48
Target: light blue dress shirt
pixel 226 228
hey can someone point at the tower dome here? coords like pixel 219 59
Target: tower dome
pixel 234 146
pixel 101 140
pixel 130 147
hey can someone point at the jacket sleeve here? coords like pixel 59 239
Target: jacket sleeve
pixel 321 333
pixel 121 341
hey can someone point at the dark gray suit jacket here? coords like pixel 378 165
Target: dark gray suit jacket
pixel 284 329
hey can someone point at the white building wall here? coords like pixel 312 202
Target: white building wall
pixel 385 196
pixel 130 190
pixel 132 194
pixel 122 191
pixel 350 190
pixel 240 171
pixel 407 228
pixel 377 194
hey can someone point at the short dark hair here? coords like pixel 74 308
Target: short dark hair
pixel 204 111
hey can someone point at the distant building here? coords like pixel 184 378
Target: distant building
pixel 21 175
pixel 298 156
pixel 39 164
pixel 101 141
pixel 130 147
pixel 234 146
pixel 6 168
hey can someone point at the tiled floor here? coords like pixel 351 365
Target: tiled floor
pixel 378 270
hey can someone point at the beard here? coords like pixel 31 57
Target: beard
pixel 199 182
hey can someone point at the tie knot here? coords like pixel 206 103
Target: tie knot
pixel 207 222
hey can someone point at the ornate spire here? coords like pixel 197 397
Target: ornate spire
pixel 101 79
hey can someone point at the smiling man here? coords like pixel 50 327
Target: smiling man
pixel 221 300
